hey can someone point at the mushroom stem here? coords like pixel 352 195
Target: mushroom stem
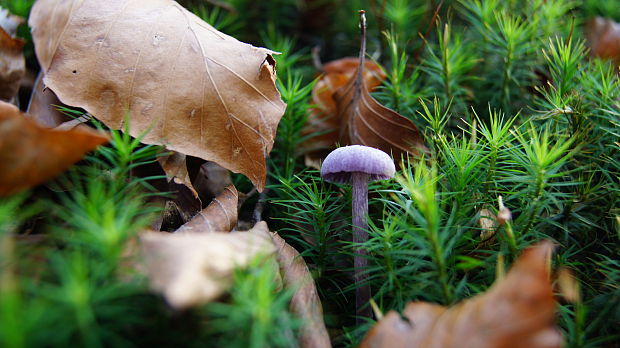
pixel 359 182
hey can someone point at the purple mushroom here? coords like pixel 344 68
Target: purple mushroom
pixel 358 165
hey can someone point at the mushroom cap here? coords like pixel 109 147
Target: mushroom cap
pixel 344 161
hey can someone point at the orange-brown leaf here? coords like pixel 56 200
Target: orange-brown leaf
pixel 516 312
pixel 324 118
pixel 305 302
pixel 31 154
pixel 364 121
pixel 199 91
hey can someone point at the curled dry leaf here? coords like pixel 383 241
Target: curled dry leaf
pixel 346 113
pixel 198 91
pixel 41 106
pixel 219 216
pixel 12 65
pixel 516 312
pixel 324 119
pixel 603 38
pixel 31 154
pixel 366 122
pixel 305 302
pixel 194 268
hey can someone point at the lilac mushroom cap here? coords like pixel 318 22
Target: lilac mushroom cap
pixel 341 163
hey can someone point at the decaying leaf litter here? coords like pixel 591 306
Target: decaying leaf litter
pixel 215 99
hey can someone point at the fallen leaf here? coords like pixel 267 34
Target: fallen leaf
pixel 194 268
pixel 305 303
pixel 603 38
pixel 31 154
pixel 199 92
pixel 219 216
pixel 364 121
pixel 41 106
pixel 324 119
pixel 516 312
pixel 12 65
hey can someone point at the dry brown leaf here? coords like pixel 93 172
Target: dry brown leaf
pixel 305 302
pixel 194 268
pixel 516 312
pixel 366 122
pixel 324 118
pixel 219 216
pixel 41 106
pixel 603 38
pixel 199 92
pixel 31 154
pixel 12 65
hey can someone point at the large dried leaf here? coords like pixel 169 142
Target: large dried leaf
pixel 193 268
pixel 366 122
pixel 12 65
pixel 31 154
pixel 219 216
pixel 516 312
pixel 324 119
pixel 199 92
pixel 42 107
pixel 305 303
